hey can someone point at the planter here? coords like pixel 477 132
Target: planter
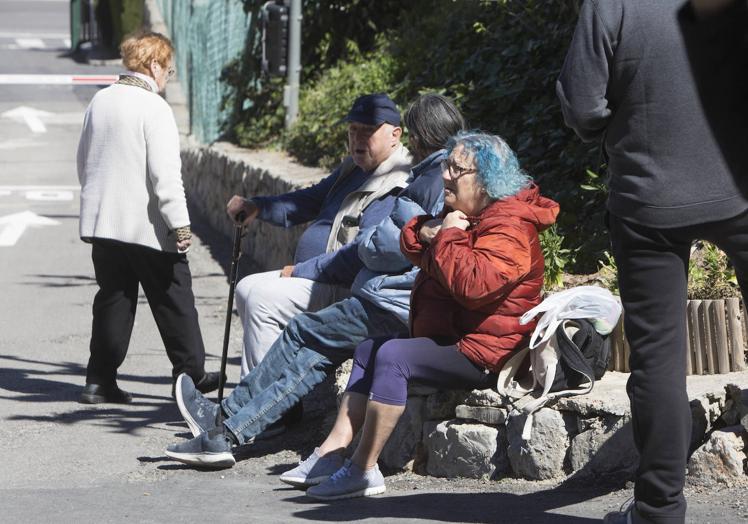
pixel 716 338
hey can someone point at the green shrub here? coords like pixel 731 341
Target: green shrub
pixel 317 137
pixel 556 257
pixel 710 275
pixel 499 60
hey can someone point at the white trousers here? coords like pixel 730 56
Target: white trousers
pixel 266 303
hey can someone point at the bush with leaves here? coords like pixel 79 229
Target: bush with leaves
pixel 498 60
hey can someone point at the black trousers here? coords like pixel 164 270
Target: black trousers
pixel 167 283
pixel 652 277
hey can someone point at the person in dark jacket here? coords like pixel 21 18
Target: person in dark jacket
pixel 627 81
pixel 716 36
pixel 481 269
pixel 314 343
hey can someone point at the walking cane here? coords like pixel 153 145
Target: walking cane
pixel 232 284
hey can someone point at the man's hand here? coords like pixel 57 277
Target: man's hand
pixel 429 229
pixel 456 219
pixel 287 271
pixel 239 205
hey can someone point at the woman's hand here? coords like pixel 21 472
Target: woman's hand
pixel 429 229
pixel 287 271
pixel 456 219
pixel 184 245
pixel 240 206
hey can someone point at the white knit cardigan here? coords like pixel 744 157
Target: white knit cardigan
pixel 129 169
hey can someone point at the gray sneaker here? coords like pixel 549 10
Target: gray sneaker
pixel 348 482
pixel 211 449
pixel 313 470
pixel 199 412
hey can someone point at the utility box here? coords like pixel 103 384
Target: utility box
pixel 275 18
pixel 83 26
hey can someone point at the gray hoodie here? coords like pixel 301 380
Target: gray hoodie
pixel 627 80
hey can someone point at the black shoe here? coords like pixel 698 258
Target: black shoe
pixel 208 383
pixel 98 394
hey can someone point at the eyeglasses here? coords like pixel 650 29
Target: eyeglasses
pixel 171 72
pixel 454 170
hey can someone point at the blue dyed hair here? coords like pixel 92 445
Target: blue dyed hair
pixel 496 164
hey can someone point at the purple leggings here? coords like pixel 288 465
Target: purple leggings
pixel 382 368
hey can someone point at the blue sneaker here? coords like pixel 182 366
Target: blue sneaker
pixel 313 470
pixel 200 413
pixel 210 450
pixel 348 482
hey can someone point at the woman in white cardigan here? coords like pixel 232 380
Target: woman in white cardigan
pixel 134 213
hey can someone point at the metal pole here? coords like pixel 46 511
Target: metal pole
pixel 291 90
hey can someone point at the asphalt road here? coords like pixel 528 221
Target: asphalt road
pixel 61 461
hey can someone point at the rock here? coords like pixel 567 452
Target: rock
pixel 486 415
pixel 402 446
pixel 342 373
pixel 441 405
pixel 606 446
pixel 484 397
pixel 456 449
pixel 542 456
pixel 736 405
pixel 721 460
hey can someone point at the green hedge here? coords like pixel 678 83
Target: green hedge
pixel 498 59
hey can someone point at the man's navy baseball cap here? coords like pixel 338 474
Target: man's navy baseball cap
pixel 373 110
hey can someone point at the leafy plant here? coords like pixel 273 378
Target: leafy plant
pixel 556 257
pixel 710 274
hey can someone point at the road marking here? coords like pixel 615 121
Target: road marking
pixel 35 118
pixel 30 43
pixel 40 188
pixel 13 226
pixel 49 195
pixel 18 143
pixel 58 79
pixel 24 34
pixel 29 116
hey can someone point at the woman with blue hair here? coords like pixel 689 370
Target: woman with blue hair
pixel 481 269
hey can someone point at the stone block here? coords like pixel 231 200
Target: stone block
pixel 456 449
pixel 542 456
pixel 483 414
pixel 721 460
pixel 484 397
pixel 441 405
pixel 606 446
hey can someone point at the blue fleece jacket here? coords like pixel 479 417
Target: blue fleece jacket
pixel 320 203
pixel 387 277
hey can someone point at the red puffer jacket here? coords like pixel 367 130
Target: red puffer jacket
pixel 474 285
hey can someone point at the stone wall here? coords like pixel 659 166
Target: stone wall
pixel 471 434
pixel 212 174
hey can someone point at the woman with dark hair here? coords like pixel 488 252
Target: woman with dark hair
pixel 481 269
pixel 134 214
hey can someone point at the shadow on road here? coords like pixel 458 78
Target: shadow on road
pixel 533 508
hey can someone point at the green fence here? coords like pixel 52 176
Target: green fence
pixel 207 35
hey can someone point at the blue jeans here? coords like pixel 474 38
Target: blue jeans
pixel 311 345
